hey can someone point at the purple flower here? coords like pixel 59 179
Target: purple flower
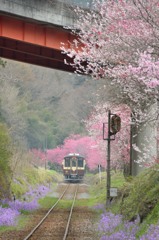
pixel 152 234
pixel 109 222
pixel 37 193
pixel 113 227
pixel 22 205
pixel 99 207
pixel 8 216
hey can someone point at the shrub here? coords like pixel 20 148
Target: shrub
pixel 5 154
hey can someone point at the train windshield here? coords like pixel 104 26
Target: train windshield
pixel 80 162
pixel 73 163
pixel 67 162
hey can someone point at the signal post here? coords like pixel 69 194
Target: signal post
pixel 114 125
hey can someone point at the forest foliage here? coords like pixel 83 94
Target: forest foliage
pixel 42 107
pixel 5 156
pixel 39 108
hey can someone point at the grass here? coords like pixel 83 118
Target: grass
pixel 47 202
pixel 136 195
pixel 82 202
pixel 19 186
pixel 98 189
pixel 5 228
pixel 152 218
pixel 139 194
pixel 65 204
pixel 19 189
pixel 33 177
pixel 22 221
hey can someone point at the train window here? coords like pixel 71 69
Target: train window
pixel 67 162
pixel 73 163
pixel 80 163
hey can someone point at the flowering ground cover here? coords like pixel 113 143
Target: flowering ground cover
pixel 113 227
pixel 10 210
pixel 37 193
pixel 152 233
pixel 8 216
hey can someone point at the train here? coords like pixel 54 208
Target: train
pixel 73 166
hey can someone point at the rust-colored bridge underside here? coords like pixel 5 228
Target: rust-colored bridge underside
pixel 34 42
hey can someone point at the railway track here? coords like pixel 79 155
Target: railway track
pixel 49 228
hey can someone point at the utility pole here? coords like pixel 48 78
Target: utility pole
pixel 45 151
pixel 108 162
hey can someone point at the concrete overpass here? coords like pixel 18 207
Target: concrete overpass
pixel 32 31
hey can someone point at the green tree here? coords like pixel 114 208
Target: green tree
pixel 5 155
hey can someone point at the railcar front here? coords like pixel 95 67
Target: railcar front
pixel 73 167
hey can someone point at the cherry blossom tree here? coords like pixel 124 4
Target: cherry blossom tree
pixel 112 41
pixel 120 148
pixel 84 145
pixel 109 35
pixel 143 77
pixel 118 41
pixel 39 157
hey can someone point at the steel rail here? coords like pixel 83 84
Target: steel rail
pixel 70 215
pixel 42 220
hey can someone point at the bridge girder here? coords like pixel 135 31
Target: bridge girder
pixel 34 42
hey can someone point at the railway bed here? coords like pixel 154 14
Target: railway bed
pixel 81 226
pixel 49 227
